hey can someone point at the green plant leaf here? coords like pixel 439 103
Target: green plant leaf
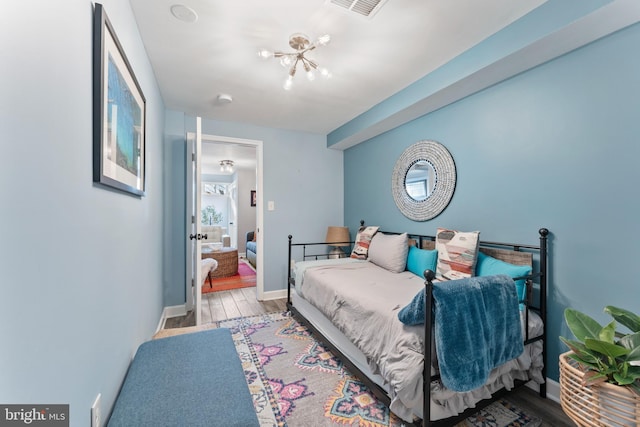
pixel 623 380
pixel 581 325
pixel 608 333
pixel 581 353
pixel 589 365
pixel 632 342
pixel 596 378
pixel 606 348
pixel 624 317
pixel 575 346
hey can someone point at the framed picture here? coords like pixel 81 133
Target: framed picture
pixel 253 197
pixel 119 113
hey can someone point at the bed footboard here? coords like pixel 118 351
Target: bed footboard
pixel 541 275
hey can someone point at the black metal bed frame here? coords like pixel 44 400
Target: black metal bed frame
pixel 541 308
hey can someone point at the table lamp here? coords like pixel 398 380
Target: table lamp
pixel 337 237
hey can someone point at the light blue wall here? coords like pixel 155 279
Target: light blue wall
pixel 85 271
pixel 302 177
pixel 80 266
pixel 175 158
pixel 555 147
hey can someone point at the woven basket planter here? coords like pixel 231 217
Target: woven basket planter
pixel 598 405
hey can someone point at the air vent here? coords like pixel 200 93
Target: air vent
pixel 366 8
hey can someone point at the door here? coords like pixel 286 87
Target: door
pixel 194 227
pixel 233 213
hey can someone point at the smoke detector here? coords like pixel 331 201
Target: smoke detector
pixel 184 13
pixel 224 98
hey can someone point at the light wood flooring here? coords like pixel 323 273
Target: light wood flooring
pixel 223 305
pixel 218 306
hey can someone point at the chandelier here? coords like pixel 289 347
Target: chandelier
pixel 301 44
pixel 226 166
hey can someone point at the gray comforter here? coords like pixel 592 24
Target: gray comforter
pixel 362 301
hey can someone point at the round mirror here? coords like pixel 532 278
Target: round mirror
pixel 420 180
pixel 424 179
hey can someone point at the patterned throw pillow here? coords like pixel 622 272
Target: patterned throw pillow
pixel 457 253
pixel 363 239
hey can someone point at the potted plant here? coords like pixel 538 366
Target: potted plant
pixel 600 376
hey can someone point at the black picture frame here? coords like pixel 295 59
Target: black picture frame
pixel 253 197
pixel 119 113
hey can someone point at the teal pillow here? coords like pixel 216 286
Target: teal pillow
pixel 419 260
pixel 489 266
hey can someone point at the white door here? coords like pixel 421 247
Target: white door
pixel 233 213
pixel 194 227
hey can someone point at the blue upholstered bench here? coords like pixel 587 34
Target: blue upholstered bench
pixel 186 380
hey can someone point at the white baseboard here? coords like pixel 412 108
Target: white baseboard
pixel 279 294
pixel 172 311
pixel 175 311
pixel 553 390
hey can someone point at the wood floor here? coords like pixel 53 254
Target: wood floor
pixel 217 306
pixel 547 410
pixel 224 305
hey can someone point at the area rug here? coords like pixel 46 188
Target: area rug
pixel 295 381
pixel 244 278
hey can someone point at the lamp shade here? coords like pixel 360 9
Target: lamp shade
pixel 337 236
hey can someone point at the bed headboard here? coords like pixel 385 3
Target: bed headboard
pixel 511 256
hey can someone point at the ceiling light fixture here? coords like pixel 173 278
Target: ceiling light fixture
pixel 301 44
pixel 226 166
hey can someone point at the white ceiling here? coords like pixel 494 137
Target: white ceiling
pixel 370 58
pixel 243 156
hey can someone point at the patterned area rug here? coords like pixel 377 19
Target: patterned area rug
pixel 295 381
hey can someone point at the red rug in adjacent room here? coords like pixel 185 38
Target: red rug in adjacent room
pixel 244 278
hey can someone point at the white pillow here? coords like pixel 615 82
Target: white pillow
pixel 389 251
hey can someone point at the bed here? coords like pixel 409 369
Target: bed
pixel 355 306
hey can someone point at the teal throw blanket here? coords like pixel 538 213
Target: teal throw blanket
pixel 477 328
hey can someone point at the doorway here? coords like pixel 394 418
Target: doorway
pixel 238 186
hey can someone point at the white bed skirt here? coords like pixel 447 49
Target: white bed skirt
pixel 444 403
